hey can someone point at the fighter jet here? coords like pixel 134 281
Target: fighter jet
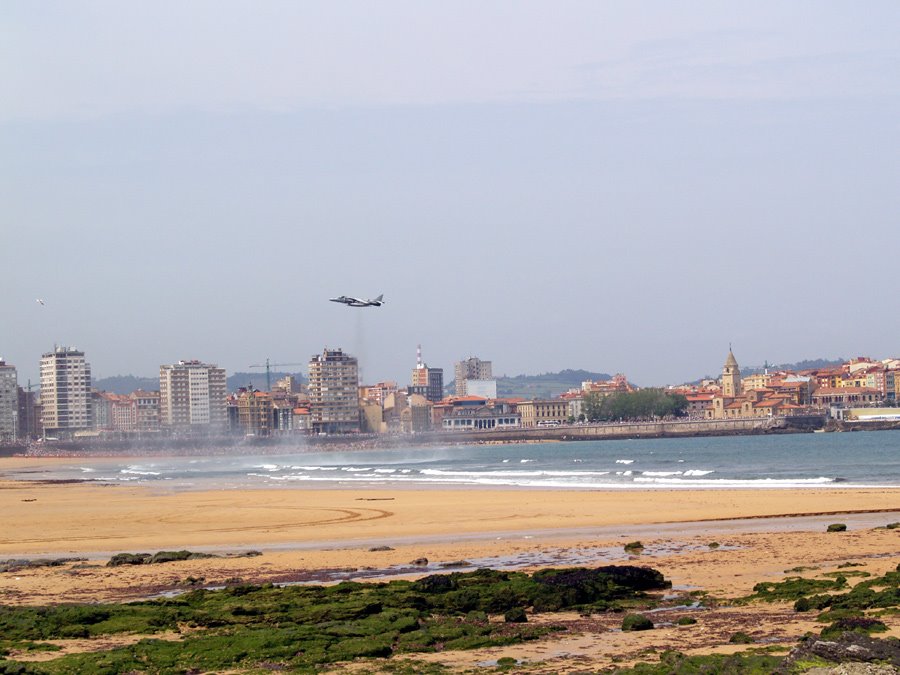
pixel 359 302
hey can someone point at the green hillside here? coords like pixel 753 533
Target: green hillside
pixel 125 384
pixel 808 364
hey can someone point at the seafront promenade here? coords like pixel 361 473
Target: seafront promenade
pixel 651 429
pixel 127 444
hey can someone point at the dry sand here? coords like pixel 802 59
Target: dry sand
pixel 301 531
pixel 42 518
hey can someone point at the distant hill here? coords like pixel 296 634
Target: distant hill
pixel 546 385
pixel 808 364
pixel 125 384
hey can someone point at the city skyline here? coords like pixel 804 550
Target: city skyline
pixel 582 185
pixel 481 372
pixel 193 398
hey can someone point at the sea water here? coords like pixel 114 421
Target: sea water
pixel 771 461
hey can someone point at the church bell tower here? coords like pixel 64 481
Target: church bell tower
pixel 731 377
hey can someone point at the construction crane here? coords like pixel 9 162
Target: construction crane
pixel 268 367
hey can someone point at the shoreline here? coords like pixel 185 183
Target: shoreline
pixel 75 517
pixel 277 473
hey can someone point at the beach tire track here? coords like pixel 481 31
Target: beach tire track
pixel 345 516
pixel 335 516
pixel 45 540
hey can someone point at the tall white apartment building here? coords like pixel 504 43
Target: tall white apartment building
pixel 65 392
pixel 472 368
pixel 9 403
pixel 192 396
pixel 333 392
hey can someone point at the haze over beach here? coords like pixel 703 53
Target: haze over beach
pixel 641 182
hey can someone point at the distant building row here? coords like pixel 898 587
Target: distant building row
pixel 193 398
pixel 857 383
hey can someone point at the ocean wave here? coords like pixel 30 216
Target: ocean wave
pixel 624 461
pixel 664 474
pixel 510 473
pixel 661 473
pixel 737 482
pixel 138 472
pixel 535 480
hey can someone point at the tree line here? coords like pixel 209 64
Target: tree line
pixel 642 404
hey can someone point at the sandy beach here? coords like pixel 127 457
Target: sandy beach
pixel 757 535
pixel 79 518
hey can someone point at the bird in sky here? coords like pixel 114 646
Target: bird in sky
pixel 39 301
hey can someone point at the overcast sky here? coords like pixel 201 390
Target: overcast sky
pixel 615 186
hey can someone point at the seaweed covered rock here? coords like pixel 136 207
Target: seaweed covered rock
pixel 856 624
pixel 740 638
pixel 435 583
pixel 303 628
pixel 155 558
pixel 849 647
pixel 557 589
pixel 174 556
pixel 129 559
pixel 795 588
pixel 16 564
pixel 633 622
pixel 636 578
pixel 577 586
pixel 515 615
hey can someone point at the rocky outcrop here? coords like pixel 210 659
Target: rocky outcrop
pixel 850 648
pixel 15 565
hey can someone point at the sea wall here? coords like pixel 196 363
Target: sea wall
pixel 661 429
pixel 571 432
